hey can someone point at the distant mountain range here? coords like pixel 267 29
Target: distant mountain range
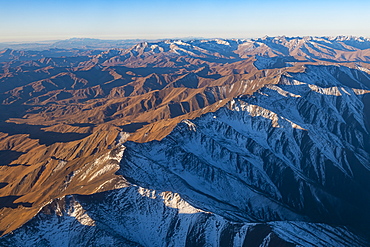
pixel 199 142
pixel 74 43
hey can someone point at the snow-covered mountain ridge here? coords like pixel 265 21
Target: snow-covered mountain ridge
pixel 272 155
pixel 287 165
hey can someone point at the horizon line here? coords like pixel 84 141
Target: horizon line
pixel 48 41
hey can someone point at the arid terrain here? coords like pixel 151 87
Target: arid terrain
pixel 78 125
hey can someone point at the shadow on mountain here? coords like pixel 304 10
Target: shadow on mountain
pixel 145 71
pixel 275 62
pixel 8 202
pixel 81 125
pixel 178 109
pixel 36 132
pixel 257 234
pixel 7 156
pixel 366 100
pixel 2 185
pixel 220 60
pixel 9 111
pixel 131 128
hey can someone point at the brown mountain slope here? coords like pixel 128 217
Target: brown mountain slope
pixel 60 116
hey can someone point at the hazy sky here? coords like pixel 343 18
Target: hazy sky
pixel 35 20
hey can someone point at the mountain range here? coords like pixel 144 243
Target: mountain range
pixel 73 43
pixel 255 142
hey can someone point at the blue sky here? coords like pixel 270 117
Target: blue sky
pixel 35 20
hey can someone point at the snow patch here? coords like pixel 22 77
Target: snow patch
pixel 180 42
pixel 102 165
pixel 222 42
pixel 174 200
pixel 170 199
pixel 122 137
pixel 363 69
pixel 282 91
pixel 327 91
pixel 147 192
pixel 258 111
pixel 191 125
pixel 360 91
pixel 76 210
pixel 61 164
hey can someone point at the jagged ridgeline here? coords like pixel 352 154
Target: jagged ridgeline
pixel 261 142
